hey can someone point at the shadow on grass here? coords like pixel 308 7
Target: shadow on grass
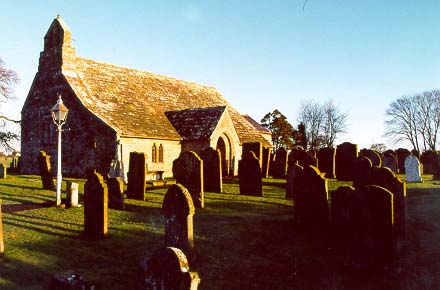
pixel 12 208
pixel 22 186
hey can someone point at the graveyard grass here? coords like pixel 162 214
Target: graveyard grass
pixel 242 242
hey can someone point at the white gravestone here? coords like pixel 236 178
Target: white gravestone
pixel 412 169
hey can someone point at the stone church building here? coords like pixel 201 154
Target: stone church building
pixel 115 110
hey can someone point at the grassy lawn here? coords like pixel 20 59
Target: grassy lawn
pixel 241 242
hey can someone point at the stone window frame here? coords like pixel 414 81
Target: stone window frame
pixel 154 153
pixel 160 153
pixel 48 132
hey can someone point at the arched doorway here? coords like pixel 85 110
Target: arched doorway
pixel 224 146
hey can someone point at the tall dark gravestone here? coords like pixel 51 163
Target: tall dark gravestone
pixel 137 172
pixel 311 199
pixel 346 154
pixel 249 175
pixel 115 187
pixel 188 171
pixel 293 172
pixel 401 156
pixel 95 206
pixel 3 171
pixel 303 158
pixel 375 158
pixel 167 269
pixel 212 170
pixel 326 161
pixel 279 164
pixel 46 175
pixel 178 209
pixel 389 160
pixel 361 171
pixel 255 147
pixel 385 178
pixel 429 161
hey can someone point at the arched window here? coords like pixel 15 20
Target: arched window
pixel 160 153
pixel 154 154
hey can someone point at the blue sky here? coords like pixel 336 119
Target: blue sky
pixel 261 55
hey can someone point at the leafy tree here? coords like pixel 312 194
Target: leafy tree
pixel 281 129
pixel 8 78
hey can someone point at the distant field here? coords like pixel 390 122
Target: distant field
pixel 241 242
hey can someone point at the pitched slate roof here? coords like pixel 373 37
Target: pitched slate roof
pixel 134 102
pixel 256 124
pixel 196 123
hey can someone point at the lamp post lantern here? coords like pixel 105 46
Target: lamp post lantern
pixel 59 116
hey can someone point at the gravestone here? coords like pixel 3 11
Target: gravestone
pixel 293 172
pixel 303 158
pixel 115 187
pixel 212 170
pixel 44 165
pixel 255 147
pixel 178 209
pixel 137 175
pixel 249 175
pixel 188 171
pixel 71 194
pixel 389 160
pixel 311 199
pixel 385 178
pixel 95 206
pixel 412 169
pixel 346 153
pixel 279 165
pixel 2 245
pixel 70 281
pixel 343 225
pixel 401 156
pixel 429 161
pixel 364 219
pixel 374 157
pixel 326 161
pixel 3 170
pixel 167 269
pixel 361 171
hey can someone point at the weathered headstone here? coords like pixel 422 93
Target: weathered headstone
pixel 311 199
pixel 364 218
pixel 255 147
pixel 412 169
pixel 429 161
pixel 3 171
pixel 44 165
pixel 279 165
pixel 188 171
pixel 72 194
pixel 167 269
pixel 212 170
pixel 115 187
pixel 249 175
pixel 401 156
pixel 303 158
pixel 137 175
pixel 389 160
pixel 178 209
pixel 361 171
pixel 375 158
pixel 2 245
pixel 95 206
pixel 326 161
pixel 346 153
pixel 293 172
pixel 385 178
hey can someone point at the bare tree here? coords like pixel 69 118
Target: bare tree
pixel 323 123
pixel 415 119
pixel 335 123
pixel 8 78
